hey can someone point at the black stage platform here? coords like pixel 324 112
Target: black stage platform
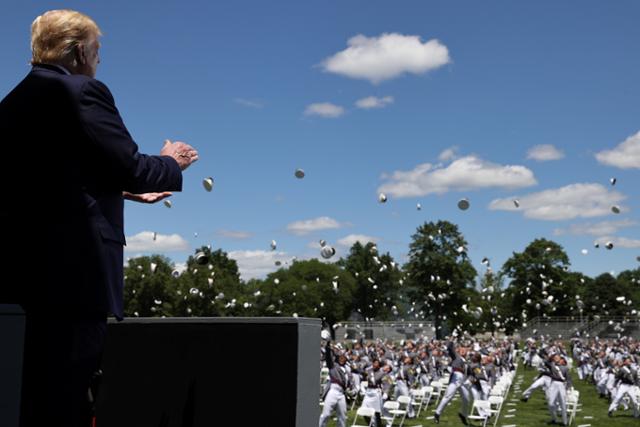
pixel 196 372
pixel 12 324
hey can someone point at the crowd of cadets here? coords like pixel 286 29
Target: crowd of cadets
pixel 380 371
pixel 612 366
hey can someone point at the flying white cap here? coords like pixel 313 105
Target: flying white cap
pixel 207 183
pixel 327 252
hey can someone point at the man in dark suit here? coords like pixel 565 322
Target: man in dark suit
pixel 74 163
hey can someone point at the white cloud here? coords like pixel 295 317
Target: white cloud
pixel 386 57
pixel 314 244
pixel 231 234
pixel 465 173
pixel 603 228
pixel 324 109
pixel 620 242
pixel 180 267
pixel 311 225
pixel 251 103
pixel 544 152
pixel 257 263
pixel 349 240
pixel 625 155
pixel 374 102
pixel 582 200
pixel 143 242
pixel 448 154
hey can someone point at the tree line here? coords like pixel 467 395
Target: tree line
pixel 438 282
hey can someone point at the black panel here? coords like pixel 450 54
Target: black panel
pixel 186 373
pixel 12 323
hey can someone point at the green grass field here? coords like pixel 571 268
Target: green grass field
pixel 591 412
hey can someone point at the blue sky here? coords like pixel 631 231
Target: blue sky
pixel 458 94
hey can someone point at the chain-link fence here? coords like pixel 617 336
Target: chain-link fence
pixel 394 331
pixel 587 326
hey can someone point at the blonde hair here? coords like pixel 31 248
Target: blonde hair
pixel 55 34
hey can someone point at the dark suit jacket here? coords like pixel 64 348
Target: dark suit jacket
pixel 67 157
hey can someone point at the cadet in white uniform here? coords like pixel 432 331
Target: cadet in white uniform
pixel 456 383
pixel 339 385
pixel 627 379
pixel 557 391
pixel 477 375
pixel 543 380
pixel 378 384
pixel 404 380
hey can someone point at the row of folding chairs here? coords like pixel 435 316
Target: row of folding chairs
pixel 484 410
pixel 398 409
pixel 392 407
pixel 423 396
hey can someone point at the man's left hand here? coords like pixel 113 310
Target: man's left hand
pixel 146 197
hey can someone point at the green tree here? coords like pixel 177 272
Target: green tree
pixel 378 282
pixel 603 295
pixel 630 280
pixel 149 287
pixel 440 273
pixel 537 280
pixel 212 288
pixel 307 288
pixel 491 300
pixel 576 284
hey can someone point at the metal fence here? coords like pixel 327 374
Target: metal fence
pixel 394 331
pixel 587 326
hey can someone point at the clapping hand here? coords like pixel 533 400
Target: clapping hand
pixel 183 153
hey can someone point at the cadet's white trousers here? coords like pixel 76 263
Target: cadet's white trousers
pixel 632 392
pixel 335 399
pixel 456 384
pixel 557 396
pixel 373 399
pixel 602 384
pixel 543 382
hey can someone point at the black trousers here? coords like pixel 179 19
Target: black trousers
pixel 61 353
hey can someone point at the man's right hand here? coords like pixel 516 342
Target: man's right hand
pixel 183 153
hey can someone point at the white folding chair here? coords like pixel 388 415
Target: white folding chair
pixel 497 390
pixel 438 390
pixel 390 407
pixel 495 406
pixel 364 412
pixel 480 406
pixel 419 397
pixel 363 389
pixel 428 394
pixel 573 396
pixel 635 391
pixel 403 402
